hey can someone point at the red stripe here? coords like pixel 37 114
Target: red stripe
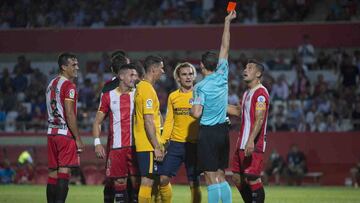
pixel 52 181
pixel 256 186
pixel 125 119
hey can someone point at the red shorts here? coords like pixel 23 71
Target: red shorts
pixel 62 152
pixel 251 165
pixel 121 163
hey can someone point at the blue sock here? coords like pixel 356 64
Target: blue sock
pixel 225 189
pixel 213 193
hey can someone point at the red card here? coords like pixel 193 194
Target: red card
pixel 231 6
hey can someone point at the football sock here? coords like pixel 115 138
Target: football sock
pixel 225 192
pixel 134 193
pixel 195 194
pixel 213 193
pixel 51 190
pixel 62 187
pixel 121 195
pixel 245 192
pixel 166 193
pixel 144 194
pixel 258 193
pixel 109 193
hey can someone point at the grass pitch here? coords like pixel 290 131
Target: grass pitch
pixel 274 194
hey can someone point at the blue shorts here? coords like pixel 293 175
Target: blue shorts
pixel 178 153
pixel 147 165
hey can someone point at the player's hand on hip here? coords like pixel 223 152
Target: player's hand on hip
pixel 159 154
pixel 231 16
pixel 100 151
pixel 80 145
pixel 249 148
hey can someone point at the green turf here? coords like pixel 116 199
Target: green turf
pixel 93 194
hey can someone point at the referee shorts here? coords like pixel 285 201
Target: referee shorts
pixel 213 147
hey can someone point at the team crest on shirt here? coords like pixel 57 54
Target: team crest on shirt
pixel 191 101
pixel 72 94
pixel 261 103
pixel 149 103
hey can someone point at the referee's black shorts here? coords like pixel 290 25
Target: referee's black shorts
pixel 213 147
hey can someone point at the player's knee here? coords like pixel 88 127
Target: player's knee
pixel 145 181
pixel 164 180
pixel 64 170
pixel 120 181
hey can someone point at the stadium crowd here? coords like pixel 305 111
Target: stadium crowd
pixel 298 104
pixel 101 13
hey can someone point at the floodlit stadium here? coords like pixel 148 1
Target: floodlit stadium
pixel 307 53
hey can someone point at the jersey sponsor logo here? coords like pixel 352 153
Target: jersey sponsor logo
pixel 72 94
pixel 260 103
pixel 149 103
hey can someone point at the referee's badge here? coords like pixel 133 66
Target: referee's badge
pixel 191 101
pixel 149 103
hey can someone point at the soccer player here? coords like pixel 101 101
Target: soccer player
pixel 64 142
pixel 210 105
pixel 147 122
pixel 181 131
pixel 118 58
pixel 119 105
pixel 250 147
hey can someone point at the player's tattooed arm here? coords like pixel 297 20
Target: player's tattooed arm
pixel 259 120
pixel 234 110
pixel 225 41
pixel 151 135
pixel 96 131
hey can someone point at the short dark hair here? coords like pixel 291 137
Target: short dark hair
pixel 64 57
pixel 151 60
pixel 126 67
pixel 118 53
pixel 139 68
pixel 116 62
pixel 209 60
pixel 258 65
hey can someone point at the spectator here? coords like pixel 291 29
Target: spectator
pixel 280 90
pixel 87 93
pixel 280 125
pixel 349 73
pixel 294 115
pixel 233 97
pixel 356 116
pixel 310 115
pixel 355 175
pixel 306 51
pixel 7 174
pixel 320 86
pixel 25 172
pixel 20 81
pixel 319 124
pixel 296 166
pixel 274 167
pixel 332 125
pixel 23 65
pixel 23 119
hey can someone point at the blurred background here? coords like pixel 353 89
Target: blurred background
pixel 311 51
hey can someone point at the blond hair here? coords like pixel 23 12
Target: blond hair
pixel 182 65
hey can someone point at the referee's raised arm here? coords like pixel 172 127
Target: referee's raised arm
pixel 225 42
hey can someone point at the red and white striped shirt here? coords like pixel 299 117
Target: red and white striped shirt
pixel 120 108
pixel 257 97
pixel 59 90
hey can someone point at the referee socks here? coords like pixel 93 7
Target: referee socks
pixel 213 193
pixel 225 191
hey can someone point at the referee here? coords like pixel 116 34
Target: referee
pixel 210 105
